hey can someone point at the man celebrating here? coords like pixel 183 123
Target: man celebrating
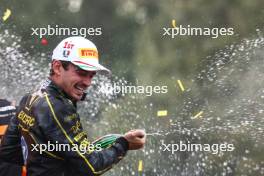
pixel 50 116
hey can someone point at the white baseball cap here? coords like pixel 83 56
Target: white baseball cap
pixel 81 52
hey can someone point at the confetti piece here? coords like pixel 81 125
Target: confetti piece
pixel 140 166
pixel 6 14
pixel 173 22
pixel 197 115
pixel 162 113
pixel 180 85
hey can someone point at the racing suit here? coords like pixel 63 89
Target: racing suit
pixel 50 116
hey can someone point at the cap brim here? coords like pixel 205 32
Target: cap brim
pixel 95 67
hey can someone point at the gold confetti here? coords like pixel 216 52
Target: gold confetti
pixel 6 14
pixel 140 166
pixel 180 85
pixel 173 22
pixel 162 113
pixel 197 115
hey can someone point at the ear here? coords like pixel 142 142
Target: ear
pixel 56 66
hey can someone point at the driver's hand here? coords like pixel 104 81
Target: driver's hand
pixel 136 139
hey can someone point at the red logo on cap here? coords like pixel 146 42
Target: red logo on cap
pixel 68 45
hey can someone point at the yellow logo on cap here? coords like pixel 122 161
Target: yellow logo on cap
pixel 88 53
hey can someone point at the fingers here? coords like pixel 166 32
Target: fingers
pixel 138 133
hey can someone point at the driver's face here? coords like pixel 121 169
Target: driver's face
pixel 75 81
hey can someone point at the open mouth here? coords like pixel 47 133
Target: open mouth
pixel 81 89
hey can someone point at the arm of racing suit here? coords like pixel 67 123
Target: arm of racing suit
pixel 60 123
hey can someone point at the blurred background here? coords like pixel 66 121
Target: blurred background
pixel 223 77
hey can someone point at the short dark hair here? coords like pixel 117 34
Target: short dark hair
pixel 65 65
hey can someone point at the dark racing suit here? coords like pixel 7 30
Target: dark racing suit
pixel 49 116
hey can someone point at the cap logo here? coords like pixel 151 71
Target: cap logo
pixel 66 53
pixel 68 45
pixel 88 53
